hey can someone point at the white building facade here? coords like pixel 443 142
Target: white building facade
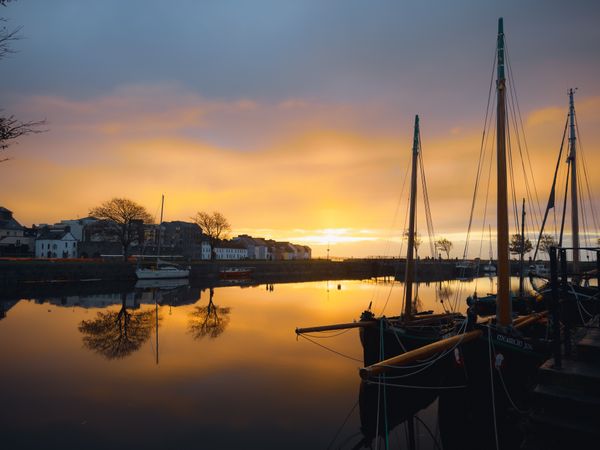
pixel 56 244
pixel 229 251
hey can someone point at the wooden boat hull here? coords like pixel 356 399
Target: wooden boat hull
pixel 513 359
pixel 390 337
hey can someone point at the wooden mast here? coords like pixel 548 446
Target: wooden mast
pixel 410 265
pixel 503 303
pixel 162 204
pixel 156 314
pixel 522 252
pixel 574 185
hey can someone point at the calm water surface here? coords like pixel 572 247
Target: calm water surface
pixel 175 369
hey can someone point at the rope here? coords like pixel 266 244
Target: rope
pixel 385 418
pixel 327 336
pixel 481 153
pixel 342 426
pixel 428 217
pixel 504 386
pixel 378 399
pixel 388 243
pixel 412 386
pixel 492 386
pixel 430 433
pixel 587 183
pixel 428 363
pixel 331 350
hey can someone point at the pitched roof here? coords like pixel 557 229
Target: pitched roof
pixel 7 221
pixel 54 235
pixel 229 244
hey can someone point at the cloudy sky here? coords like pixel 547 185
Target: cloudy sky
pixel 292 118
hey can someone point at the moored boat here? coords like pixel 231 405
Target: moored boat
pixel 161 269
pixel 229 273
pixel 382 337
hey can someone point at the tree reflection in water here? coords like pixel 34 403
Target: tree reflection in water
pixel 444 293
pixel 117 334
pixel 210 320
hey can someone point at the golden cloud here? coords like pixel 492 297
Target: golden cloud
pixel 280 167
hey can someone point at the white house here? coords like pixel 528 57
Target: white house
pixel 12 234
pixel 230 250
pixel 56 244
pixel 205 250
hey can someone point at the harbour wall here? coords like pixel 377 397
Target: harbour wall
pixel 27 271
pixel 52 271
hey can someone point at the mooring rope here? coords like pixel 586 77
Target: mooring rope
pixel 331 350
pixel 492 386
pixel 342 426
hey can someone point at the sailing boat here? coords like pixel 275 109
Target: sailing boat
pixel 162 269
pixel 500 342
pixel 382 337
pixel 573 291
pixel 514 354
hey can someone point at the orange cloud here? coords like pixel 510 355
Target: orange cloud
pixel 308 167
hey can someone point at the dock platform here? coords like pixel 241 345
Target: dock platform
pixel 566 400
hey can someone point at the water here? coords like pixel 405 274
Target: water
pixel 83 371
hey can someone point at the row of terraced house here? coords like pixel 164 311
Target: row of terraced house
pixel 92 238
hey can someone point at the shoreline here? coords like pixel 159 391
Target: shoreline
pixel 15 272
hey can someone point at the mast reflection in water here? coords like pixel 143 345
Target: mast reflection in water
pixel 231 372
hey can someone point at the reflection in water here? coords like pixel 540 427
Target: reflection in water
pixel 383 409
pixel 210 320
pixel 117 334
pixel 287 393
pixel 444 291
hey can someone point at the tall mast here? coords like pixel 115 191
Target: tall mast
pixel 162 204
pixel 522 252
pixel 410 265
pixel 491 251
pixel 574 185
pixel 503 303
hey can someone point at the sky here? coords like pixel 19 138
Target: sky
pixel 293 119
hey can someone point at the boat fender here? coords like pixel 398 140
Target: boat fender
pixel 458 359
pixel 499 362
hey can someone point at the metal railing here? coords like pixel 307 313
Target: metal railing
pixel 559 284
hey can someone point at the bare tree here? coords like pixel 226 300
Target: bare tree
pixel 444 245
pixel 547 241
pixel 518 244
pixel 214 225
pixel 124 218
pixel 10 127
pixel 117 334
pixel 208 321
pixel 417 241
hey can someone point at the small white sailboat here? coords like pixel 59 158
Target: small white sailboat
pixel 162 269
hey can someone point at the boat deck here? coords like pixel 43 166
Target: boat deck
pixel 567 398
